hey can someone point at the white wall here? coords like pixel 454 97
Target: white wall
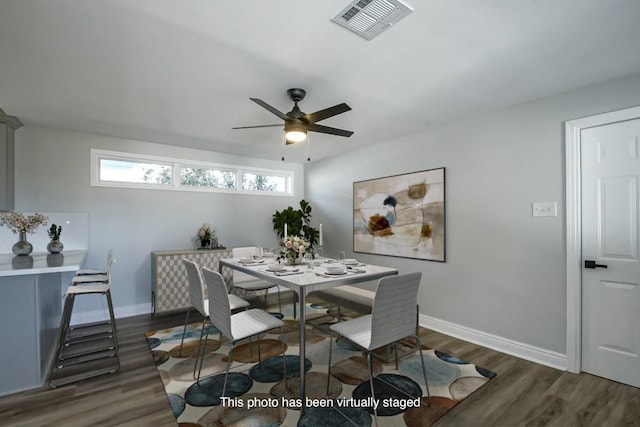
pixel 52 174
pixel 505 271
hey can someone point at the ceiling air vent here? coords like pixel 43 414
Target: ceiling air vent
pixel 368 18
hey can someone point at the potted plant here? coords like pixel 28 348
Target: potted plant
pixel 207 237
pixel 55 246
pixel 298 222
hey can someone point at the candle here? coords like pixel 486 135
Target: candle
pixel 285 232
pixel 320 240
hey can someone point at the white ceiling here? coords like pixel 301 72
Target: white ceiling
pixel 181 71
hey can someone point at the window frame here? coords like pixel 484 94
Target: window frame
pixel 176 165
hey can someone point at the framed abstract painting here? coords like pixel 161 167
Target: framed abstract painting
pixel 401 215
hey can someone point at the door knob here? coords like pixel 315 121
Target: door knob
pixel 592 264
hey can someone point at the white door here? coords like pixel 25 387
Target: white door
pixel 611 295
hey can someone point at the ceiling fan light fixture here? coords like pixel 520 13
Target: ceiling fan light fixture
pixel 295 132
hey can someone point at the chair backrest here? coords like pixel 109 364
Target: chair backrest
pixel 196 286
pixel 219 306
pixel 393 315
pixel 243 252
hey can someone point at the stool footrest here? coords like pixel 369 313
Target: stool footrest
pixel 83 371
pixel 86 348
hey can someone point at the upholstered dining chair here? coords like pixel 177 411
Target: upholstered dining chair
pixel 238 326
pixel 392 318
pixel 199 301
pixel 247 283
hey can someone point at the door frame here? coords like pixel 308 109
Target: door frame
pixel 573 202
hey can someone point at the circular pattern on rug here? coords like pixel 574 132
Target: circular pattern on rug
pixel 334 417
pixel 209 390
pixel 485 372
pixel 291 325
pixel 449 358
pixel 265 411
pixel 293 337
pixel 390 386
pixel 176 336
pixel 248 353
pixel 426 415
pixel 440 373
pixel 159 356
pixel 315 388
pixel 177 404
pixel 463 387
pixel 153 342
pixel 318 318
pixel 165 377
pixel 354 370
pixel 212 363
pixel 270 370
pixel 190 349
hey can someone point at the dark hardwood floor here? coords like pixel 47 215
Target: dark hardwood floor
pixel 523 393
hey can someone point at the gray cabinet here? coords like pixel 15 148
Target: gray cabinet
pixel 170 285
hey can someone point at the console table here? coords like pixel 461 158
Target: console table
pixel 170 286
pixel 30 310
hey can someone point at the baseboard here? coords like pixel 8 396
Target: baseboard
pixel 494 342
pixel 80 318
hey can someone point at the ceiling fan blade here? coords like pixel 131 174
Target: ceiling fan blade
pixel 258 126
pixel 266 106
pixel 326 129
pixel 327 112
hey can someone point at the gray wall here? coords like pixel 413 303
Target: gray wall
pixel 52 174
pixel 505 270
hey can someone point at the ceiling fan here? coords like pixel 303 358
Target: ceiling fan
pixel 297 123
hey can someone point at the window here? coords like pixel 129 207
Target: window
pixel 208 178
pixel 114 169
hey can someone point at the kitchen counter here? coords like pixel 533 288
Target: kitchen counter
pixel 31 291
pixel 41 263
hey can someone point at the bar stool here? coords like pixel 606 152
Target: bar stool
pixel 89 350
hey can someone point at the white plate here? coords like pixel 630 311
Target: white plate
pixel 349 261
pixel 336 273
pixel 276 267
pixel 246 260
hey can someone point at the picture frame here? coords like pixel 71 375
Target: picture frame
pixel 401 215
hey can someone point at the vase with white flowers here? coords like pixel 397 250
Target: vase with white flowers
pixel 207 237
pixel 22 224
pixel 293 249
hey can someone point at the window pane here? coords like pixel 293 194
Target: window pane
pixel 253 181
pixel 136 172
pixel 211 178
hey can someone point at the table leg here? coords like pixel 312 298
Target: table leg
pixel 302 314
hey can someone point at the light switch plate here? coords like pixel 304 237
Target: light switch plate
pixel 544 209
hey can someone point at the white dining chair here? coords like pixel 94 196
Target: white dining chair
pixel 392 318
pixel 199 301
pixel 247 283
pixel 238 326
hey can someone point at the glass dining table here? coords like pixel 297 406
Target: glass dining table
pixel 303 282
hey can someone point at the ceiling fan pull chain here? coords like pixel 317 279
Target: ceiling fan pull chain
pixel 284 142
pixel 308 148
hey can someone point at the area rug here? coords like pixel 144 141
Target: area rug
pixel 257 395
